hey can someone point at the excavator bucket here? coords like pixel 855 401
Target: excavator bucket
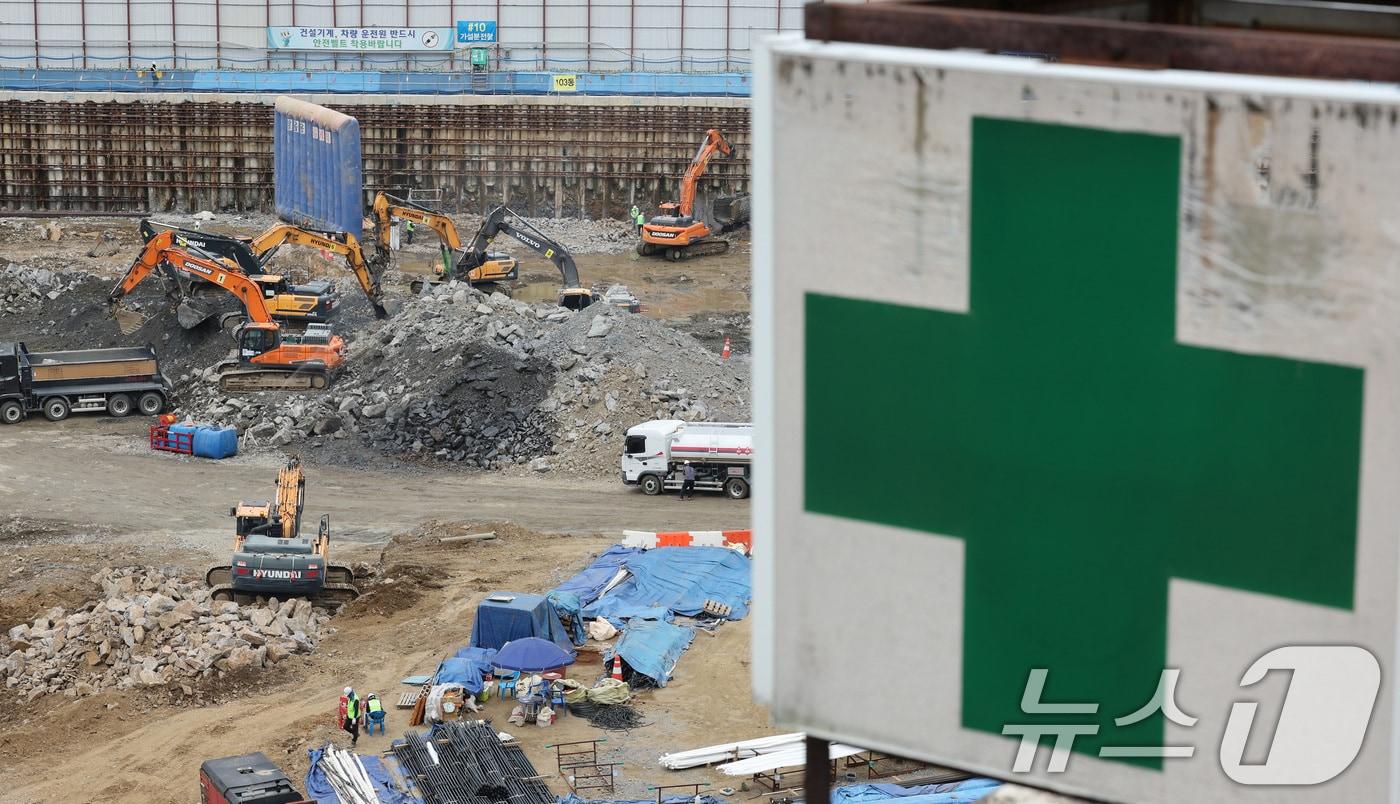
pixel 128 321
pixel 730 212
pixel 191 315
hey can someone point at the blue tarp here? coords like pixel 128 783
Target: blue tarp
pixel 567 605
pixel 466 667
pixel 498 622
pixel 587 585
pixel 652 647
pixel 949 793
pixel 319 789
pixel 679 579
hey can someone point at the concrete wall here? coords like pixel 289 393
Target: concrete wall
pixel 559 35
pixel 131 152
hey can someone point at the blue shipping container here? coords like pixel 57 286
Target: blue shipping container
pixel 215 442
pixel 316 166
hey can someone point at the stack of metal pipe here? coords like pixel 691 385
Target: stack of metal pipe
pixel 347 776
pixel 465 762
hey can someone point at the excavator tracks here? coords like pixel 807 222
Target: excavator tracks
pixel 704 248
pixel 338 590
pixel 235 376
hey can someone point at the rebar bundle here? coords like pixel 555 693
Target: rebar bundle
pixel 466 763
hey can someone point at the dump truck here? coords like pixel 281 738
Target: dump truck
pixel 654 453
pixel 115 381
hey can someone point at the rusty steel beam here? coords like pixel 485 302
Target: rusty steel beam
pixel 1106 42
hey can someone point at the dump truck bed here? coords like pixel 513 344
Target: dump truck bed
pixel 93 364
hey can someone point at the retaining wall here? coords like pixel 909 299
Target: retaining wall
pixel 591 156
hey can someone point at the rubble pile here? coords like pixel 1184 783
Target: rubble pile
pixel 151 629
pixel 488 381
pixel 23 286
pixel 578 235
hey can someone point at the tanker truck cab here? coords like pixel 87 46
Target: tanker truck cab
pixel 654 453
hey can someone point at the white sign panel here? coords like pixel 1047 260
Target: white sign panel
pixel 1079 396
pixel 363 40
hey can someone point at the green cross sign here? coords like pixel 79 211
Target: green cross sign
pixel 1081 453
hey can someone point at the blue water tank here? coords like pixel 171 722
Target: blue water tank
pixel 317 174
pixel 215 442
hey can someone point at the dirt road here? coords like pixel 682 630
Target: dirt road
pixel 98 471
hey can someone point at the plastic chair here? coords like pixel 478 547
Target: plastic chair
pixel 373 719
pixel 505 683
pixel 557 702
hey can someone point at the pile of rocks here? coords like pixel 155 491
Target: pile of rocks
pixel 494 382
pixel 151 629
pixel 22 286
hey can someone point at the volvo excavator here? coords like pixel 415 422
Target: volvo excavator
pixel 313 302
pixel 504 220
pixel 473 263
pixel 489 269
pixel 677 234
pixel 271 556
pixel 268 358
pixel 251 256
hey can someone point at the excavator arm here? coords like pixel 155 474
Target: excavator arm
pixel 233 249
pixel 367 272
pixel 160 251
pixel 387 207
pixel 504 220
pixel 714 143
pixel 291 497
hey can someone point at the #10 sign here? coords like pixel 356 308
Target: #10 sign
pixel 1095 458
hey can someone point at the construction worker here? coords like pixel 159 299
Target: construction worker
pixel 637 218
pixel 350 715
pixel 408 233
pixel 374 711
pixel 688 482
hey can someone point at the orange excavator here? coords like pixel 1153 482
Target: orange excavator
pixel 268 358
pixel 676 233
pixel 471 267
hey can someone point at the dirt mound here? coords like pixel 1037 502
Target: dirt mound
pixel 486 381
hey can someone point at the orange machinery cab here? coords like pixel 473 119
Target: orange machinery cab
pixel 265 344
pixel 670 228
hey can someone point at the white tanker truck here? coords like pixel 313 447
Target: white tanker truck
pixel 722 454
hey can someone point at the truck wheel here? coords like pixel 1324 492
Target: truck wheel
pixel 737 488
pixel 55 408
pixel 118 405
pixel 11 413
pixel 150 403
pixel 651 484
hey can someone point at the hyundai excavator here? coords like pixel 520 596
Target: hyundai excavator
pixel 312 302
pixel 368 270
pixel 676 233
pixel 271 556
pixel 252 255
pixel 489 269
pixel 268 358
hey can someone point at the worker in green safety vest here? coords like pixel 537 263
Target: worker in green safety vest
pixel 637 217
pixel 374 710
pixel 408 233
pixel 350 714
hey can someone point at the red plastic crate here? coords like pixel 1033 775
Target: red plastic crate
pixel 166 441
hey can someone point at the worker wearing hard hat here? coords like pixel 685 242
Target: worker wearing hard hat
pixel 637 218
pixel 350 714
pixel 688 481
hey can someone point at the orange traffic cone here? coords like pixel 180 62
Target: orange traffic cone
pixel 617 668
pixel 724 353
